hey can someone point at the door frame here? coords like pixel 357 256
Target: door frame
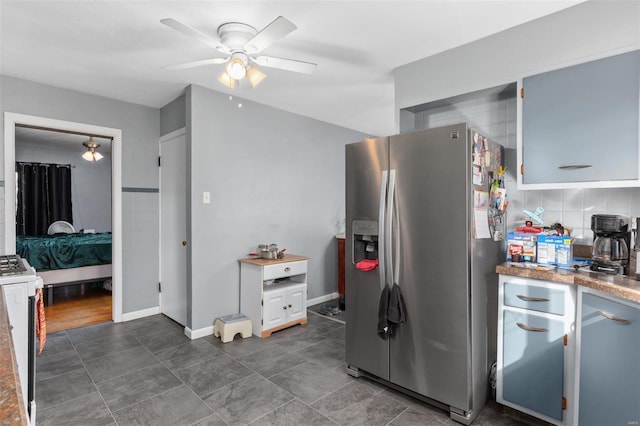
pixel 10 122
pixel 165 138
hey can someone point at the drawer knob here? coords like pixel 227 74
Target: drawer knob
pixel 287 269
pixel 284 307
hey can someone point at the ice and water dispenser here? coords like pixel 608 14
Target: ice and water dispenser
pixel 365 241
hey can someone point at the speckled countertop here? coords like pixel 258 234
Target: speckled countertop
pixel 616 285
pixel 12 411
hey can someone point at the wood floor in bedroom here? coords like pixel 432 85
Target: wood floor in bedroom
pixel 77 306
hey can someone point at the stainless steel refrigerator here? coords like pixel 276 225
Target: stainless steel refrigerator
pixel 412 203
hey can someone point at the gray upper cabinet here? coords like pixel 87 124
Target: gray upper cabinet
pixel 579 126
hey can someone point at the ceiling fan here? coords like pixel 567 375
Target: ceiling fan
pixel 240 42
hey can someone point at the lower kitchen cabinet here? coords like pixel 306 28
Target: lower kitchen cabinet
pixel 536 348
pixel 273 293
pixel 609 360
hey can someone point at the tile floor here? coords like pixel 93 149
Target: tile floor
pixel 146 372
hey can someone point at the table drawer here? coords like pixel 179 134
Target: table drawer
pixel 281 270
pixel 537 298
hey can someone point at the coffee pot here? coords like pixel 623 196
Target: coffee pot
pixel 611 243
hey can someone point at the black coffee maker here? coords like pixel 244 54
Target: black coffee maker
pixel 611 241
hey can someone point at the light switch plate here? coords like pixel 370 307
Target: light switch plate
pixel 206 197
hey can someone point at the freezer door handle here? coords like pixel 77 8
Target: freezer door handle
pixel 381 236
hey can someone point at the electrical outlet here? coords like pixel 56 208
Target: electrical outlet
pixel 206 197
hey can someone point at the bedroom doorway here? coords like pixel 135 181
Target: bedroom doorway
pixel 13 121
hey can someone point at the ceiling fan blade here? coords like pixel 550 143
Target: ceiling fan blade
pixel 197 63
pixel 192 32
pixel 285 64
pixel 273 32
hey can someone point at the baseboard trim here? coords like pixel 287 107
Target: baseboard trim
pixel 324 298
pixel 129 316
pixel 196 334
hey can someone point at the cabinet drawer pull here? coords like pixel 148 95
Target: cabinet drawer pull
pixel 529 328
pixel 574 166
pixel 287 269
pixel 531 299
pixel 613 318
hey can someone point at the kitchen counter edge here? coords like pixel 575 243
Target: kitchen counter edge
pixel 12 409
pixel 264 262
pixel 620 286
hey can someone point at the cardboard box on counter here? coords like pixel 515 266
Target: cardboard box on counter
pixel 555 250
pixel 527 242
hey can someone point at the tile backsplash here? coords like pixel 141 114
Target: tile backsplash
pixel 574 207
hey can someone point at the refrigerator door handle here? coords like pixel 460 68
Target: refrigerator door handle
pixel 381 230
pixel 389 234
pixel 396 254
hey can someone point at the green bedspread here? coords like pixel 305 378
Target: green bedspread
pixel 64 251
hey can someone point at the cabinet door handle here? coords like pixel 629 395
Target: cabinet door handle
pixel 614 318
pixel 287 269
pixel 289 306
pixel 531 298
pixel 284 307
pixel 529 328
pixel 574 166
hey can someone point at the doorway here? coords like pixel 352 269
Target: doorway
pixel 11 121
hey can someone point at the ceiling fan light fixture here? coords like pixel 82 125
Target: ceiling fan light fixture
pixel 227 80
pixel 236 69
pixel 255 76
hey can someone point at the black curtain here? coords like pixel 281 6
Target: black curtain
pixel 44 196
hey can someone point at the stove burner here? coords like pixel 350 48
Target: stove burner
pixel 11 264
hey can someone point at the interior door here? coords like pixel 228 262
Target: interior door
pixel 173 229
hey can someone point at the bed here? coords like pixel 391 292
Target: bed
pixel 64 259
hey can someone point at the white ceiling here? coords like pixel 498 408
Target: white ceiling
pixel 118 49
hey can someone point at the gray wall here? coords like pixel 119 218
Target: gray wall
pixel 549 42
pixel 274 177
pixel 90 181
pixel 589 29
pixel 140 132
pixel 173 115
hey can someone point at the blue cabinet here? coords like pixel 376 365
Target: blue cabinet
pixel 609 363
pixel 569 116
pixel 533 362
pixel 536 348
